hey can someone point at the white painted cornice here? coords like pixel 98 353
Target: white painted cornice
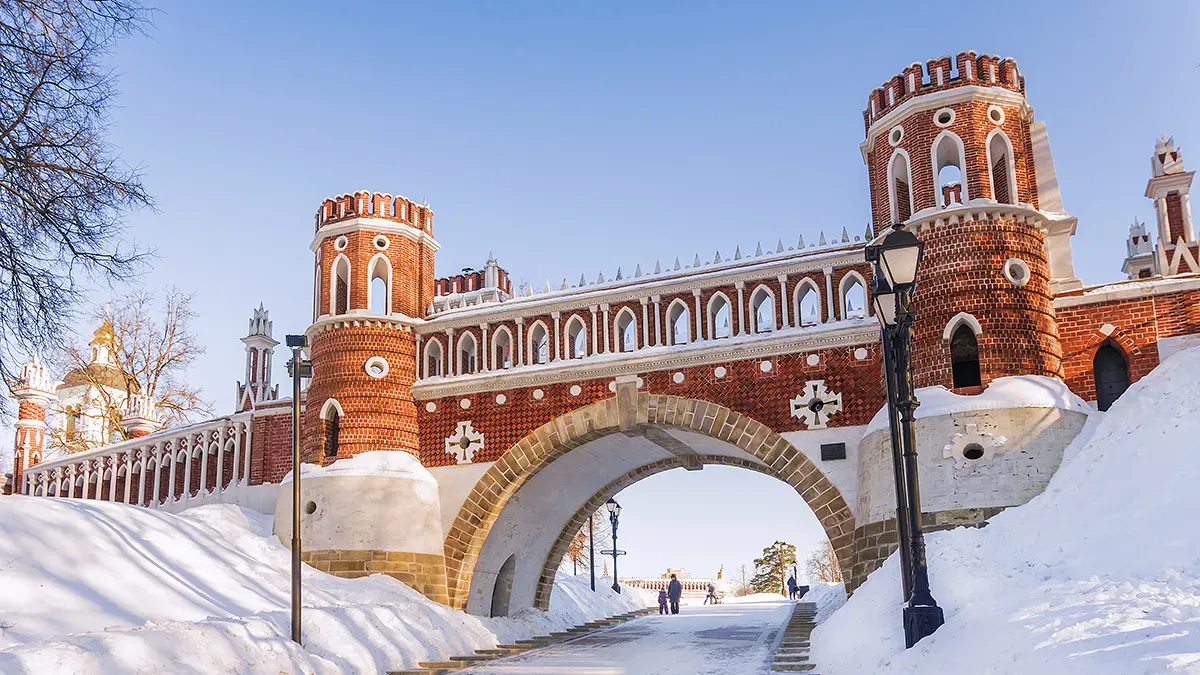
pixel 989 209
pixel 650 359
pixel 362 317
pixel 381 225
pixel 1159 186
pixel 938 99
pixel 1131 289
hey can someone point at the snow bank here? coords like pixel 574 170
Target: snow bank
pixel 1098 575
pixel 391 463
pixel 95 588
pixel 1019 391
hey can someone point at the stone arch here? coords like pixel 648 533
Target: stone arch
pixel 629 412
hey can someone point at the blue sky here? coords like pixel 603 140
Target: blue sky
pixel 579 137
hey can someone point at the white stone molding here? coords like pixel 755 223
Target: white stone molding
pixel 816 404
pixel 464 443
pixel 947 136
pixel 958 320
pixel 1010 165
pixel 376 367
pixel 798 294
pixel 973 445
pixel 373 225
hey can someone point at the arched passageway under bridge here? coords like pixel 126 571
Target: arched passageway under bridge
pixel 531 501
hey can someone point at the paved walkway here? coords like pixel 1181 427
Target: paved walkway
pixel 714 640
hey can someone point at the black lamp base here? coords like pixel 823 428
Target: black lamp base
pixel 920 622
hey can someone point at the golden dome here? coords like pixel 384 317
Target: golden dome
pixel 103 334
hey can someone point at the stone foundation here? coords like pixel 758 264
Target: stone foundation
pixel 423 572
pixel 874 542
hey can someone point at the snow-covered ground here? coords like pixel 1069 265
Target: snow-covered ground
pixel 94 588
pixel 1098 575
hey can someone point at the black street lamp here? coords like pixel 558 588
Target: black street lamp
pixel 614 512
pixel 299 368
pixel 897 257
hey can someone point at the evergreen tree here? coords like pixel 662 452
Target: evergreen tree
pixel 771 570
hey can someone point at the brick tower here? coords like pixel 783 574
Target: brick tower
pixel 953 152
pixel 374 275
pixel 34 390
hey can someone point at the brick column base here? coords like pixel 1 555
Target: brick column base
pixel 423 572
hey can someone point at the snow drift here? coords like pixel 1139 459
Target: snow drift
pixel 93 588
pixel 1099 575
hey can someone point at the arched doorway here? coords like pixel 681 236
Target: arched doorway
pixel 538 494
pixel 503 589
pixel 1111 373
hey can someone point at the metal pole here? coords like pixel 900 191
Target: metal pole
pixel 296 372
pixel 922 616
pixel 592 551
pixel 613 517
pixel 902 531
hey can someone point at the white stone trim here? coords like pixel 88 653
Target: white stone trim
pixel 844 285
pixel 376 361
pixel 1135 288
pixel 1010 165
pixel 569 342
pixel 530 353
pixel 962 318
pixel 670 325
pixel 441 358
pixel 797 293
pixel 497 362
pixel 376 225
pixel 333 275
pixel 709 315
pixel 1007 271
pixel 962 167
pixel 617 334
pixel 752 311
pixel 331 403
pixel 458 350
pixel 939 99
pixel 706 352
pixel 938 114
pixel 893 205
pixel 387 280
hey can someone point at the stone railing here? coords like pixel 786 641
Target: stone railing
pixel 170 467
pixel 657 583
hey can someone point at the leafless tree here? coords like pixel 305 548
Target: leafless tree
pixel 822 565
pixel 64 191
pixel 741 582
pixel 577 550
pixel 151 350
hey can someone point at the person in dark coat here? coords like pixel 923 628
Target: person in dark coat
pixel 662 601
pixel 674 592
pixel 792 587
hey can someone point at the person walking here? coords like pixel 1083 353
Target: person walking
pixel 674 592
pixel 792 587
pixel 712 594
pixel 662 600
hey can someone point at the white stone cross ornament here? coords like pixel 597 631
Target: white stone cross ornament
pixel 816 404
pixel 464 443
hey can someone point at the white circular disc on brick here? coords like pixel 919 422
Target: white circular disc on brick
pixel 381 242
pixel 465 403
pixel 1016 271
pixel 720 371
pixel 895 136
pixel 576 390
pixel 340 243
pixel 431 407
pixel 501 399
pixel 813 359
pixel 996 114
pixel 376 367
pixel 538 394
pixel 860 353
pixel 765 366
pixel 612 386
pixel 677 378
pixel 944 117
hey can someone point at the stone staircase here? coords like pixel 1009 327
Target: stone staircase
pixel 500 651
pixel 792 653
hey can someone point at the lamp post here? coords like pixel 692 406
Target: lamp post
pixel 897 256
pixel 592 551
pixel 614 512
pixel 299 368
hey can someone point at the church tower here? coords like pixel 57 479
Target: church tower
pixel 374 276
pixel 953 152
pixel 1169 187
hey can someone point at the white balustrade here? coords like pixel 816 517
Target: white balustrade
pixel 95 473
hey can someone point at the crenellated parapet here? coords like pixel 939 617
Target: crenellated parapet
pixel 969 68
pixel 364 204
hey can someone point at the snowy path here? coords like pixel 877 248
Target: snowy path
pixel 712 640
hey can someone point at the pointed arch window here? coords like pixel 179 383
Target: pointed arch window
pixel 808 304
pixel 1000 156
pixel 433 359
pixel 719 323
pixel 379 291
pixel 679 328
pixel 467 354
pixel 900 187
pixel 576 338
pixel 331 417
pixel 626 331
pixel 340 302
pixel 1111 371
pixel 539 344
pixel 964 357
pixel 949 159
pixel 762 310
pixel 854 297
pixel 502 346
